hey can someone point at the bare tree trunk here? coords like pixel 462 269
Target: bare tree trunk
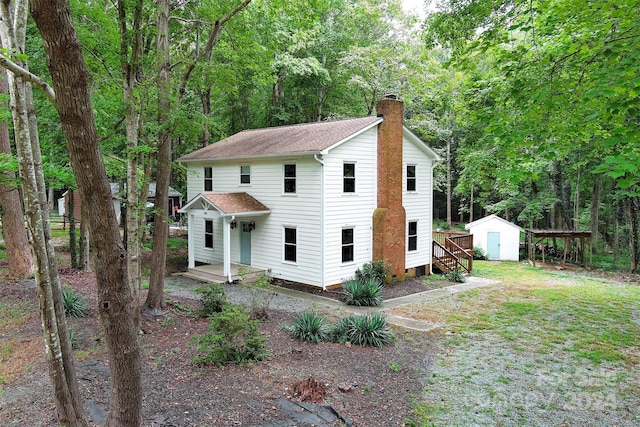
pixel 18 250
pixel 116 303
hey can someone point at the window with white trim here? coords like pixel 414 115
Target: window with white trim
pixel 347 244
pixel 289 177
pixel 208 179
pixel 290 244
pixel 245 174
pixel 412 232
pixel 208 234
pixel 349 177
pixel 411 177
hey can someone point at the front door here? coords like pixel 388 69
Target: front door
pixel 493 245
pixel 245 243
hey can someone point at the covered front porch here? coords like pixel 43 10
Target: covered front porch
pixel 216 272
pixel 212 218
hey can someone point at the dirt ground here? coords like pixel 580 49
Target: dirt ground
pixel 359 386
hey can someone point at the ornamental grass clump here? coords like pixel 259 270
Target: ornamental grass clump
pixel 309 326
pixel 379 270
pixel 74 304
pixel 365 330
pixel 362 292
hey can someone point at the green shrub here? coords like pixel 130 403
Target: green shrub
pixel 374 270
pixel 479 254
pixel 456 276
pixel 232 338
pixel 212 299
pixel 362 292
pixel 309 326
pixel 367 329
pixel 75 305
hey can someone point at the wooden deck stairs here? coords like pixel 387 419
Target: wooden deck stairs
pixel 452 251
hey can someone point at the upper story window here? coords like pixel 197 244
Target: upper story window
pixel 290 244
pixel 290 178
pixel 349 177
pixel 347 244
pixel 412 232
pixel 208 233
pixel 208 179
pixel 411 177
pixel 245 174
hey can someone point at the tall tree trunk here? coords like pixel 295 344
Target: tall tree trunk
pixel 116 303
pixel 58 348
pixel 576 204
pixel 471 204
pixel 155 296
pixel 449 184
pixel 562 192
pixel 16 241
pixel 136 202
pixel 634 237
pixel 595 211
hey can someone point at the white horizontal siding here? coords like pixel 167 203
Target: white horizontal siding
pixel 195 180
pixel 418 204
pixel 353 210
pixel 300 210
pixel 202 254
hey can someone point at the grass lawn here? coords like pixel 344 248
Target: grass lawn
pixel 538 348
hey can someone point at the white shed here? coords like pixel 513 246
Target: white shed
pixel 499 238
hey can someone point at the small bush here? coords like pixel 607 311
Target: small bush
pixel 212 299
pixel 261 296
pixel 456 276
pixel 309 326
pixel 232 338
pixel 378 270
pixel 75 305
pixel 366 330
pixel 362 292
pixel 479 254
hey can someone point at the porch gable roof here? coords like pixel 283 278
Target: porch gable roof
pixel 228 204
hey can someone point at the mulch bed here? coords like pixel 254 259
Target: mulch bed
pixel 412 285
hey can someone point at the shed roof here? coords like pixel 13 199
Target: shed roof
pixel 492 217
pixel 307 138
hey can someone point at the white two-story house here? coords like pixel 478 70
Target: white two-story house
pixel 314 202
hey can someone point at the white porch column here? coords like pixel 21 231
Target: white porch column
pixel 226 248
pixel 190 239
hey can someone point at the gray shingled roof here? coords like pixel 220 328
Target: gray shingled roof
pixel 309 138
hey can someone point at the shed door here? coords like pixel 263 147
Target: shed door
pixel 493 245
pixel 245 243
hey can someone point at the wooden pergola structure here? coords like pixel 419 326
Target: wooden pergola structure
pixel 535 237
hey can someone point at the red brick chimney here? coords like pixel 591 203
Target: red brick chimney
pixel 389 218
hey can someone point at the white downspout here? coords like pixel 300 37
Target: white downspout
pixel 318 158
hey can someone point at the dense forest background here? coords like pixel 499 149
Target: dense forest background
pixel 532 104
